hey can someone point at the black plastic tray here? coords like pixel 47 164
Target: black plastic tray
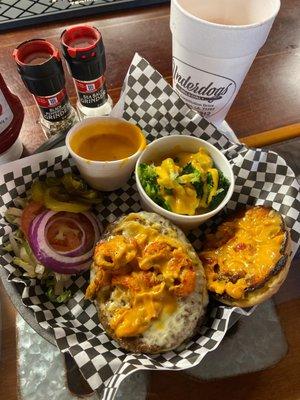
pixel 20 13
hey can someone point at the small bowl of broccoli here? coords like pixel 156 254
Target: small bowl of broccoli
pixel 185 179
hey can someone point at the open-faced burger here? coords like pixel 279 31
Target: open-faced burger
pixel 247 259
pixel 148 284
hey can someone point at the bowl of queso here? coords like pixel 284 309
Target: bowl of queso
pixel 105 150
pixel 185 179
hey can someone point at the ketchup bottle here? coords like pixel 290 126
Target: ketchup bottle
pixel 11 120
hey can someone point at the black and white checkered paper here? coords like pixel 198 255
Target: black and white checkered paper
pixel 262 177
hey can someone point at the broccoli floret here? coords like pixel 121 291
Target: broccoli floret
pixel 194 178
pixel 223 181
pixel 199 188
pixel 217 199
pixel 168 191
pixel 148 178
pixel 223 187
pixel 209 184
pixel 209 181
pixel 162 203
pixel 188 169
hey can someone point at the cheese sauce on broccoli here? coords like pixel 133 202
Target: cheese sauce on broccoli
pixel 188 183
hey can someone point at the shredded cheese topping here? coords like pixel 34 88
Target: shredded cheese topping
pixel 146 272
pixel 243 252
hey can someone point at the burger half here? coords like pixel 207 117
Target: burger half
pixel 247 259
pixel 148 284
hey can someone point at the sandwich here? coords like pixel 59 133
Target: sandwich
pixel 148 284
pixel 248 257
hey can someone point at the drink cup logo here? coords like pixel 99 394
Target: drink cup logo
pixel 203 91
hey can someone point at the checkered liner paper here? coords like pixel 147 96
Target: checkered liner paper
pixel 262 177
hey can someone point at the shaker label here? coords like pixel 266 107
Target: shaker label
pixel 203 91
pixel 6 115
pixel 54 108
pixel 92 93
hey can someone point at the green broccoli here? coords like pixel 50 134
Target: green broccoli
pixel 168 191
pixel 199 188
pixel 188 169
pixel 223 181
pixel 223 187
pixel 207 187
pixel 190 174
pixel 148 178
pixel 209 180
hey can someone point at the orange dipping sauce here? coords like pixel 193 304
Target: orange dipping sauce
pixel 108 140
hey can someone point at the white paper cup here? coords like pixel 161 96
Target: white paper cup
pixel 214 45
pixel 106 175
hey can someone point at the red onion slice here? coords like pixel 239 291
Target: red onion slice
pixel 79 249
pixel 48 256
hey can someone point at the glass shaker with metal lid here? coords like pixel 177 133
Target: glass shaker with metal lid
pixel 41 70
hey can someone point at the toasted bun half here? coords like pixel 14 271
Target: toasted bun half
pixel 248 258
pixel 171 326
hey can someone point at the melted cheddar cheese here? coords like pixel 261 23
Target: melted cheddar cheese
pixel 118 252
pixel 146 306
pixel 200 160
pixel 243 252
pixel 146 272
pixel 133 229
pixel 178 179
pixel 183 199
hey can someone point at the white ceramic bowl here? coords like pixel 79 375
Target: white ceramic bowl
pixel 106 175
pixel 167 145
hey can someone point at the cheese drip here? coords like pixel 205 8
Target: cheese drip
pixel 145 308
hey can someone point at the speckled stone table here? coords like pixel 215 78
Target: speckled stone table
pixel 42 374
pixel 246 348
